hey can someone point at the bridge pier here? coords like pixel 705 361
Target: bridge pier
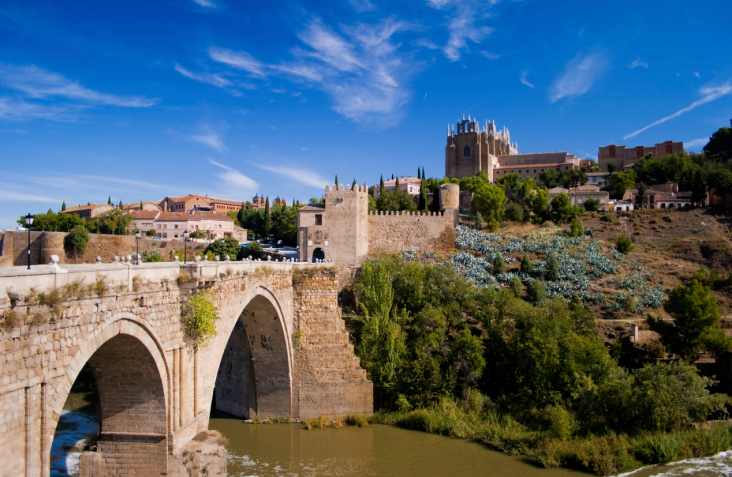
pixel 280 335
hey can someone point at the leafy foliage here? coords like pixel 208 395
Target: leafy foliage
pixel 490 201
pixel 76 240
pixel 198 317
pixel 223 247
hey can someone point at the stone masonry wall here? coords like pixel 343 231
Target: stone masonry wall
pixel 397 233
pixel 45 244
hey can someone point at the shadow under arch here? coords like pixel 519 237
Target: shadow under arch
pixel 254 377
pixel 131 375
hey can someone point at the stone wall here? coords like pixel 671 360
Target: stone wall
pixel 45 244
pixel 403 231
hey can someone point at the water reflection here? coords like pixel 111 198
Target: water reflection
pixel 77 428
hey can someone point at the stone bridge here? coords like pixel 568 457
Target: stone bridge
pixel 281 350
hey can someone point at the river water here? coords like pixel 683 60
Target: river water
pixel 267 450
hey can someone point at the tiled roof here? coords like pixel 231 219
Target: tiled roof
pixel 177 216
pixel 402 180
pixel 529 166
pixel 76 208
pixel 205 215
pixel 313 208
pixel 191 197
pixel 144 214
pixel 213 200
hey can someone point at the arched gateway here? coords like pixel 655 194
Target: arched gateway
pixel 281 350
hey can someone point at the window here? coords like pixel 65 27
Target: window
pixel 176 226
pixel 534 170
pixel 318 219
pixel 466 151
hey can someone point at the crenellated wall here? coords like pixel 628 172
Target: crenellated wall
pixel 156 389
pixel 400 231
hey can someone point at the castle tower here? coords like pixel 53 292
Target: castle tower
pixel 470 150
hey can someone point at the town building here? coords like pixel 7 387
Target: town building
pixel 529 166
pixel 597 178
pixel 624 157
pixel 170 225
pixel 345 231
pixel 137 206
pixel 187 203
pixel 88 211
pixel 411 185
pixel 581 194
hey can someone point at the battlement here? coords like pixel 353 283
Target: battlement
pixel 347 188
pixel 406 213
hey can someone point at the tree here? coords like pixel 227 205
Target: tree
pixel 514 212
pixel 141 205
pixel 611 167
pixel 76 241
pixel 499 264
pixel 381 184
pixel 695 315
pixel 63 205
pixel 563 210
pixel 336 182
pixel 109 200
pixel 419 173
pixel 592 205
pixel 508 181
pixel 552 267
pixel 621 181
pixel 267 225
pixel 490 201
pixel 478 221
pixel 550 178
pixel 535 290
pixel 422 196
pixel 526 265
pixel 120 205
pixel 576 229
pixel 623 244
pixel 423 176
pixel 640 197
pixel 473 183
pixel 353 186
pixel 720 144
pixel 223 247
pixel 699 189
pixel 150 233
pixel 516 287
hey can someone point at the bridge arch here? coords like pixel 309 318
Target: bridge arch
pixel 255 363
pixel 131 375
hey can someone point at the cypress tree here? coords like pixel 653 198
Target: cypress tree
pixel 120 204
pixel 353 186
pixel 499 265
pixel 552 267
pixel 392 177
pixel 526 265
pixel 423 176
pixel 241 214
pixel 422 196
pixel 396 185
pixel 267 226
pixel 419 173
pixel 336 184
pixel 140 205
pixel 63 205
pixel 640 197
pixel 381 184
pixel 109 200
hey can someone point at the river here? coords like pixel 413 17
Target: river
pixel 266 450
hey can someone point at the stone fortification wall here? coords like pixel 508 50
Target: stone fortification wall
pixel 45 244
pixel 400 231
pixel 6 249
pixel 540 158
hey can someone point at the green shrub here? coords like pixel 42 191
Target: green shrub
pixel 552 267
pixel 499 264
pixel 254 249
pixel 76 241
pixel 576 229
pixel 535 290
pixel 153 256
pixel 150 233
pixel 516 287
pixel 479 222
pixel 514 212
pixel 198 316
pixel 610 218
pixel 658 449
pixel 592 205
pixel 526 265
pixel 560 421
pixel 623 244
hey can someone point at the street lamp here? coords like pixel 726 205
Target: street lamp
pixel 137 246
pixel 28 223
pixel 185 245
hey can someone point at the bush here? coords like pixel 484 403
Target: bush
pixel 576 229
pixel 76 240
pixel 526 265
pixel 658 449
pixel 623 244
pixel 560 422
pixel 514 212
pixel 535 290
pixel 592 205
pixel 153 256
pixel 610 218
pixel 552 267
pixel 228 246
pixel 150 233
pixel 499 264
pixel 516 287
pixel 254 249
pixel 479 221
pixel 198 316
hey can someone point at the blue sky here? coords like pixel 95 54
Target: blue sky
pixel 139 100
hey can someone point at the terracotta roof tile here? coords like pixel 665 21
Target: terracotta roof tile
pixel 145 214
pixel 177 216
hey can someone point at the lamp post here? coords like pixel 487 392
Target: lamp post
pixel 137 247
pixel 28 223
pixel 185 245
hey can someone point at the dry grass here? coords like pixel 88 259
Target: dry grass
pixel 11 320
pixel 212 436
pixel 184 277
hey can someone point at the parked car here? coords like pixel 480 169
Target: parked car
pixel 157 238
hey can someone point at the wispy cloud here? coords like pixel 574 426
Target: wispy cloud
pixel 696 73
pixel 205 3
pixel 360 67
pixel 362 5
pixel 696 144
pixel 237 59
pixel 39 83
pixel 298 175
pixel 462 24
pixel 710 94
pixel 489 55
pixel 524 80
pixel 14 109
pixel 209 136
pixel 214 79
pixel 234 182
pixel 636 63
pixel 6 193
pixel 579 75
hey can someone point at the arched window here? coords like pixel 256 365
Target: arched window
pixel 466 151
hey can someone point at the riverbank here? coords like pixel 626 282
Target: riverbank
pixel 602 455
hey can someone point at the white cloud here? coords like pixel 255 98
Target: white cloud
pixel 461 24
pixel 696 144
pixel 301 176
pixel 524 80
pixel 362 5
pixel 490 56
pixel 205 3
pixel 209 136
pixel 214 79
pixel 427 43
pixel 710 94
pixel 237 59
pixel 39 83
pixel 579 75
pixel 13 109
pixel 329 47
pixel 636 63
pixel 234 182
